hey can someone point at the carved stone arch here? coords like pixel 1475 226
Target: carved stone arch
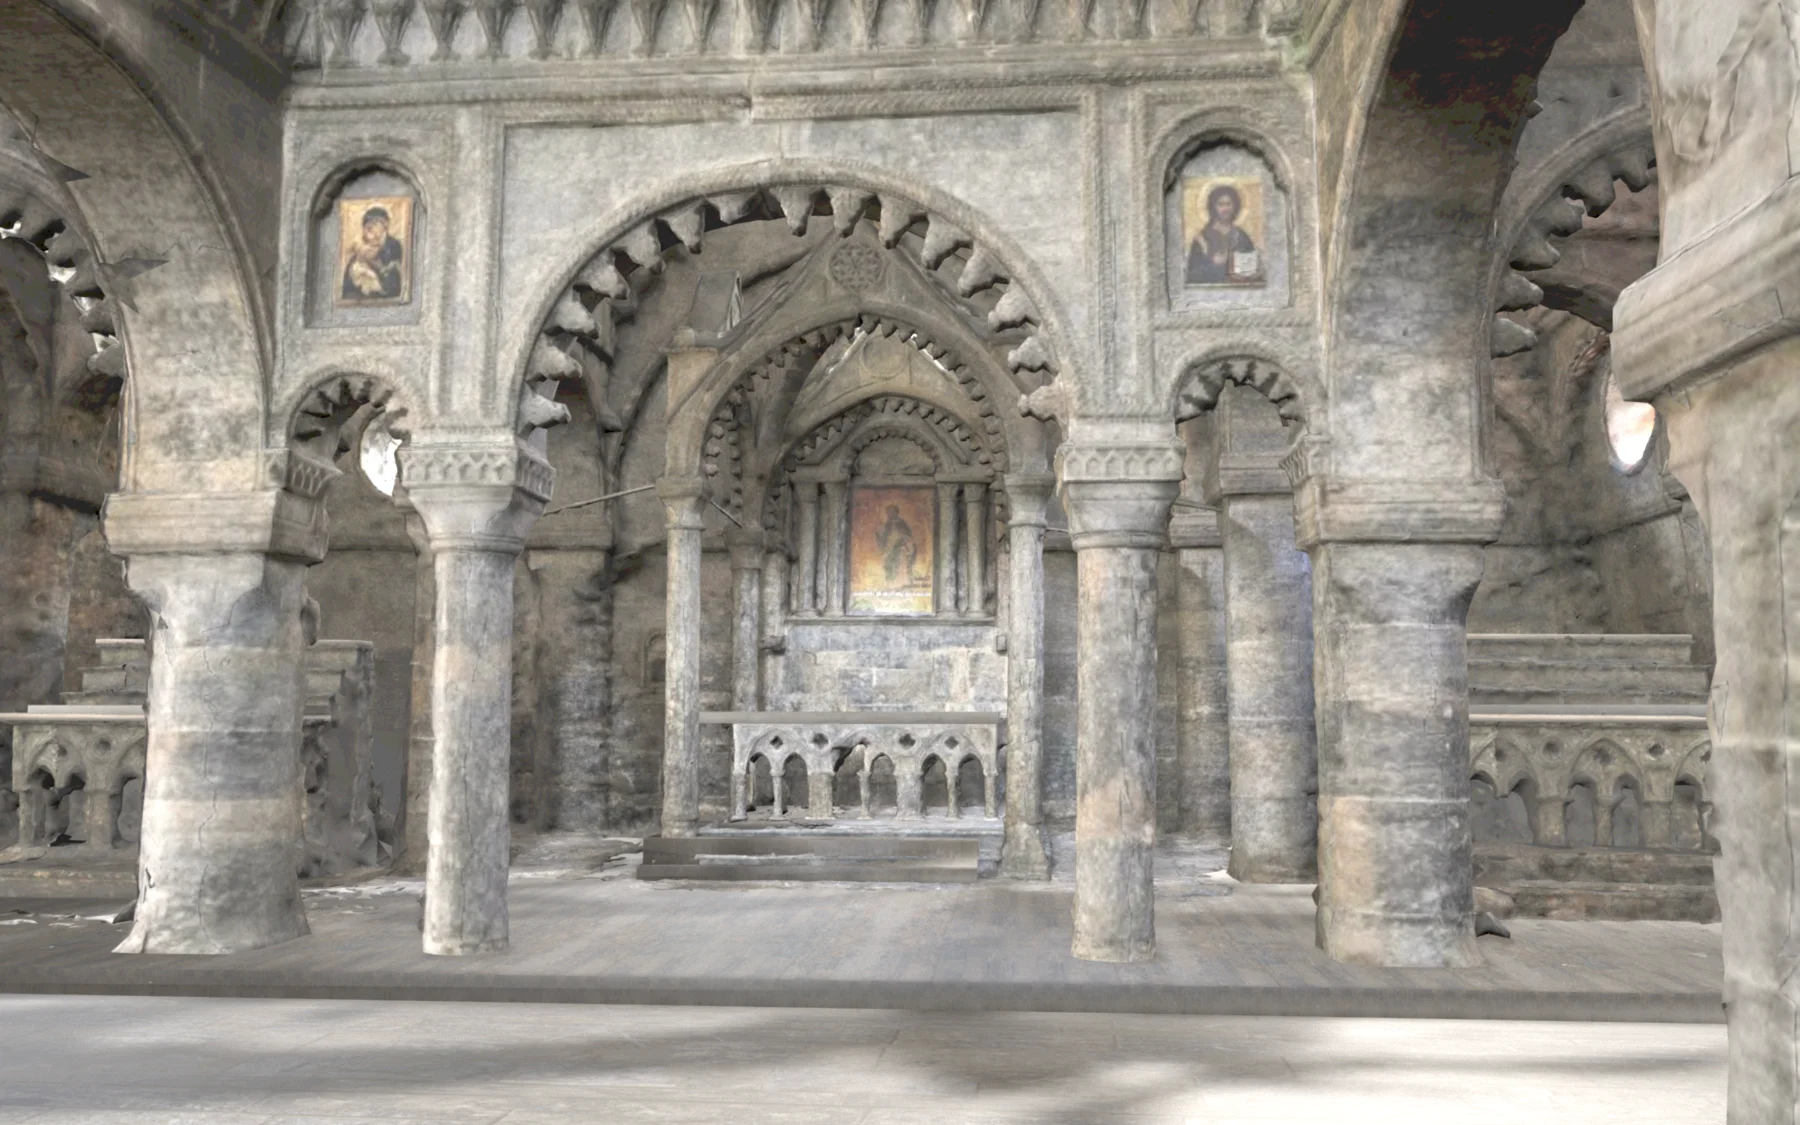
pixel 639 234
pixel 1550 201
pixel 325 416
pixel 1234 125
pixel 1205 378
pixel 787 352
pixel 852 450
pixel 1613 760
pixel 190 314
pixel 348 169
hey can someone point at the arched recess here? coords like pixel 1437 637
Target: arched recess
pixel 168 251
pixel 1242 147
pixel 1000 297
pixel 1205 378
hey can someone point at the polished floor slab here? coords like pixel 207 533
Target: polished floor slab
pixel 193 1061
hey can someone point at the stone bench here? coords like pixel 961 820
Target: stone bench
pixel 824 740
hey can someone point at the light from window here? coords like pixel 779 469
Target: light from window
pixel 379 464
pixel 1629 426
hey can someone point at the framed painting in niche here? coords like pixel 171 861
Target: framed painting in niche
pixel 374 251
pixel 892 554
pixel 1222 223
pixel 1226 217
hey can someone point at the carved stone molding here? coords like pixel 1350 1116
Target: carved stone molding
pixel 482 497
pixel 1329 510
pixel 1118 493
pixel 272 522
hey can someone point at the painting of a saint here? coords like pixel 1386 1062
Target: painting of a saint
pixel 374 258
pixel 891 550
pixel 1222 220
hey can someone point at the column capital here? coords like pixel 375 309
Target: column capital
pixel 747 546
pixel 1118 492
pixel 1194 528
pixel 1027 495
pixel 684 499
pixel 476 496
pixel 1329 508
pixel 272 522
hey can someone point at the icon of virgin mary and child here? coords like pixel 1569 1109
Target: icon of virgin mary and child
pixel 1222 253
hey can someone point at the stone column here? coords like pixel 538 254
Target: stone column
pixel 1022 852
pixel 773 644
pixel 945 572
pixel 223 575
pixel 746 618
pixel 1118 494
pixel 806 577
pixel 1204 732
pixel 834 538
pixel 975 546
pixel 414 844
pixel 478 502
pixel 685 500
pixel 574 688
pixel 1269 640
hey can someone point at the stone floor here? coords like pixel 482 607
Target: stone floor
pixel 585 930
pixel 160 1061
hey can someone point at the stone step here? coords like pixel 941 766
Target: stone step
pixel 813 857
pixel 1545 681
pixel 1583 648
pixel 1520 863
pixel 1616 902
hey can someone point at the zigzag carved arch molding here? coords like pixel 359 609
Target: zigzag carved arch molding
pixel 26 218
pixel 581 327
pixel 1199 388
pixel 1586 189
pixel 328 417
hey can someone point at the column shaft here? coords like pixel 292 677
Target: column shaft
pixel 1205 756
pixel 746 620
pixel 975 547
pixel 1022 852
pixel 774 614
pixel 1393 719
pixel 945 573
pixel 806 575
pixel 414 833
pixel 683 498
pixel 218 847
pixel 834 531
pixel 471 718
pixel 1269 678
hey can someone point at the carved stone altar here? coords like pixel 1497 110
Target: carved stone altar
pixel 825 742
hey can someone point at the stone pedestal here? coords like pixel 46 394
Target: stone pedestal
pixel 1022 852
pixel 223 577
pixel 477 531
pixel 1117 493
pixel 1269 680
pixel 1201 700
pixel 685 501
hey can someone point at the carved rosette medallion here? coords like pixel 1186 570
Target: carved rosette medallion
pixel 856 266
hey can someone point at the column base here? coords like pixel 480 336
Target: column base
pixel 1022 853
pixel 1402 941
pixel 1272 869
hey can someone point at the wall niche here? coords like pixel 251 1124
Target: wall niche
pixel 368 243
pixel 1226 230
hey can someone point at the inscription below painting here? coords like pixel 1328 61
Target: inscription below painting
pixel 1223 227
pixel 891 550
pixel 374 251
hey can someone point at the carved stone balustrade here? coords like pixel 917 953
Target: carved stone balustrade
pixel 1546 752
pixel 74 763
pixel 825 741
pixel 71 768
